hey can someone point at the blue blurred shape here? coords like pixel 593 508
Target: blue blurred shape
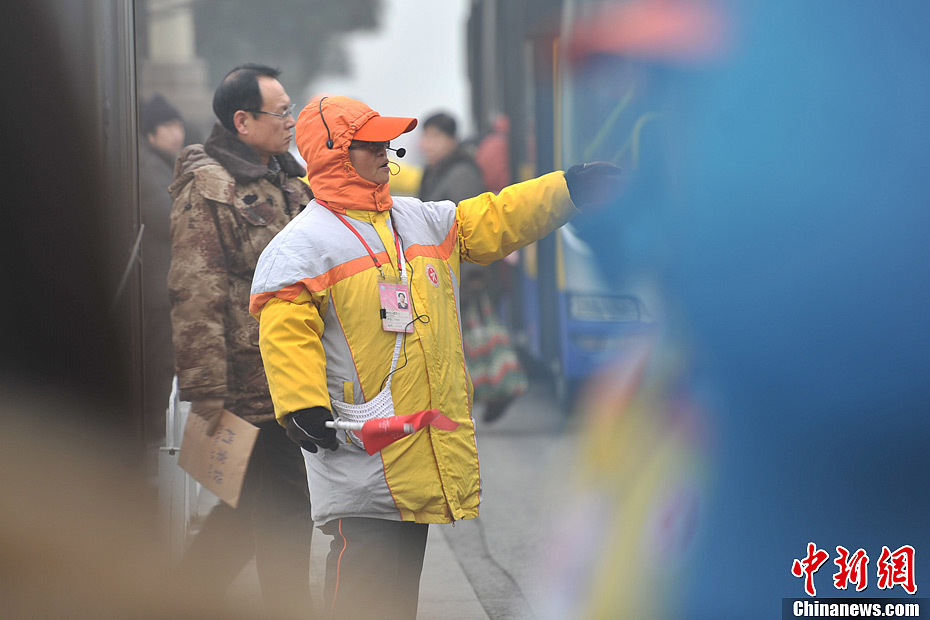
pixel 793 205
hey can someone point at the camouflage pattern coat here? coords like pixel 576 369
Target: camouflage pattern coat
pixel 227 207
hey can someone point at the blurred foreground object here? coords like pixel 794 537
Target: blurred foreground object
pixel 637 494
pixel 668 30
pixel 78 537
pixel 788 242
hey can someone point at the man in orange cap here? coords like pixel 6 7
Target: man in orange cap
pixel 334 340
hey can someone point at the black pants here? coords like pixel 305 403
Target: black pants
pixel 373 568
pixel 272 523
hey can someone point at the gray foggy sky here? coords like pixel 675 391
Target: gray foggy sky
pixel 415 64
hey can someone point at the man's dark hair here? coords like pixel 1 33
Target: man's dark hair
pixel 239 90
pixel 443 122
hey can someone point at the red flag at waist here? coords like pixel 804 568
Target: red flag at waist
pixel 381 432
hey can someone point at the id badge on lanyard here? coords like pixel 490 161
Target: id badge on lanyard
pixel 396 313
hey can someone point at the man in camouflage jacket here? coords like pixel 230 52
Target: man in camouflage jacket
pixel 226 210
pixel 231 196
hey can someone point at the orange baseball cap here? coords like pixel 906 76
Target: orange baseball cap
pixel 384 128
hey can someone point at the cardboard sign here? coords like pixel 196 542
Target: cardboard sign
pixel 218 461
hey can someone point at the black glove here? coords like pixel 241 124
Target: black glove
pixel 592 184
pixel 307 428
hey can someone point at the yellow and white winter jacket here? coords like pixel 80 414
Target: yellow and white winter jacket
pixel 315 294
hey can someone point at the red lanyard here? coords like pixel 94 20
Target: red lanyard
pixel 365 243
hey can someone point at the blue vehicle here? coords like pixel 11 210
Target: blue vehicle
pixel 591 326
pixel 569 318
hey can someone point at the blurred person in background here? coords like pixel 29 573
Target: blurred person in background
pixel 162 138
pixel 231 196
pixel 451 172
pixel 316 294
pixel 493 155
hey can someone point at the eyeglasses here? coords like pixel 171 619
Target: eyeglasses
pixel 287 113
pixel 374 147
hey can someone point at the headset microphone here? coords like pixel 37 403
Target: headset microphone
pixel 329 137
pixel 400 152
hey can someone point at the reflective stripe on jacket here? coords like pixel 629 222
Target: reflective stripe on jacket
pixel 315 295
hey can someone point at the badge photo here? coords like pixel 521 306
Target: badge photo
pixel 396 315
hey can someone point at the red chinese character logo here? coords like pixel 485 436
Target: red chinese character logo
pixel 432 275
pixel 897 568
pixel 808 566
pixel 851 569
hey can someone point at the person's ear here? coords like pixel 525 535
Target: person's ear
pixel 241 121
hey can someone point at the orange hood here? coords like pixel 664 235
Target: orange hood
pixel 332 177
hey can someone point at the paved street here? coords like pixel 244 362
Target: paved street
pixel 499 554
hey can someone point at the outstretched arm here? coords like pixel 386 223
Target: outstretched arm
pixel 492 226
